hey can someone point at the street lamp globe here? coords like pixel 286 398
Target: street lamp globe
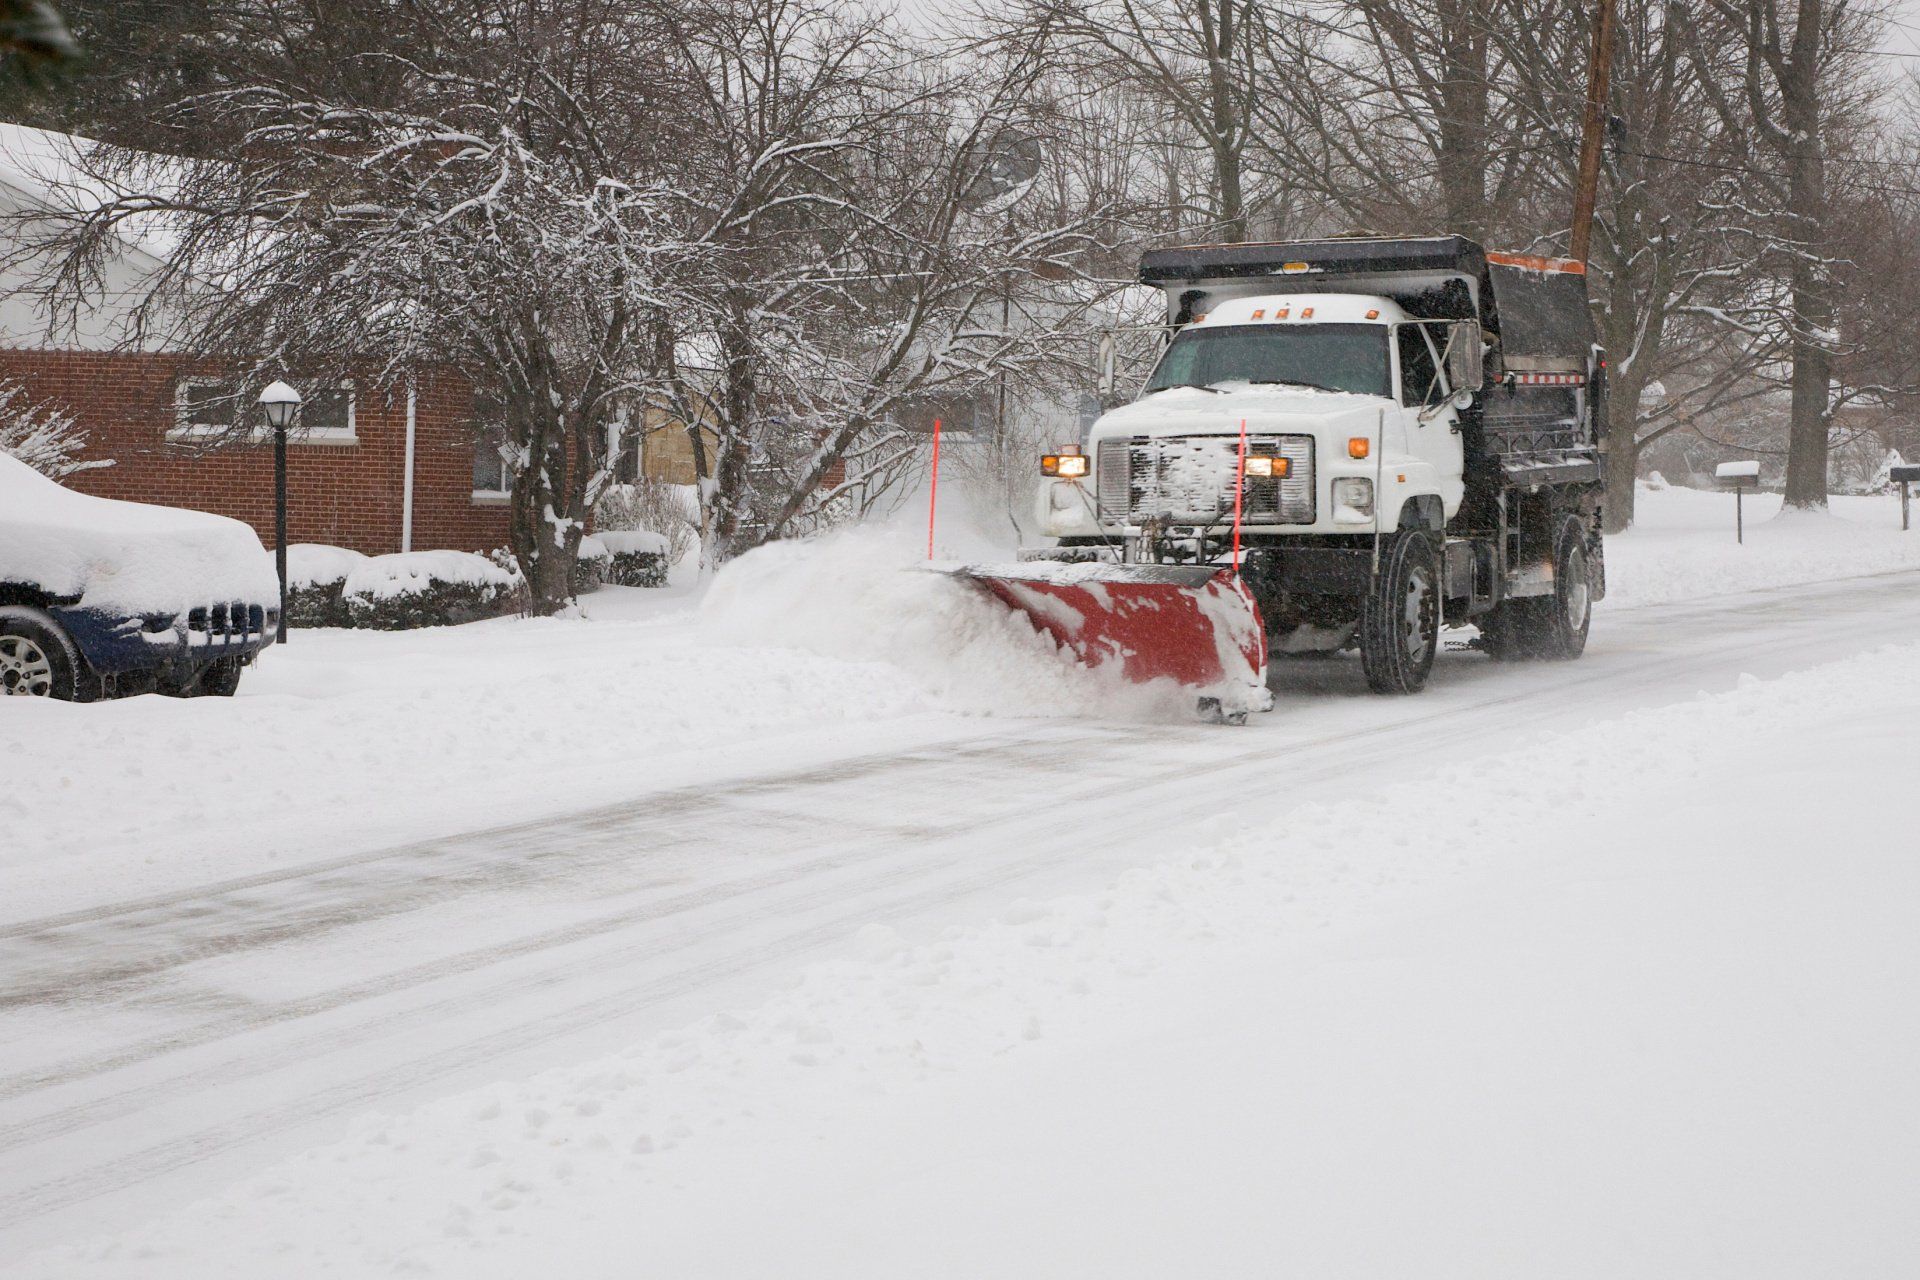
pixel 280 402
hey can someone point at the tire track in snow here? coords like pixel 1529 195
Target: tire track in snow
pixel 755 897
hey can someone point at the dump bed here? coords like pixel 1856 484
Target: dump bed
pixel 1534 309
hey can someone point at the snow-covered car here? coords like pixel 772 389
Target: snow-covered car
pixel 100 597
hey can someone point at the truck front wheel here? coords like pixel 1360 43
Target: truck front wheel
pixel 1552 627
pixel 1400 621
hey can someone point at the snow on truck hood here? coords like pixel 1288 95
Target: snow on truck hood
pixel 124 557
pixel 1193 411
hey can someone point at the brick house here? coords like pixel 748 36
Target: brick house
pixel 350 481
pixel 372 468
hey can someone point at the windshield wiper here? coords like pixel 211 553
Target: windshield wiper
pixel 1289 382
pixel 1195 386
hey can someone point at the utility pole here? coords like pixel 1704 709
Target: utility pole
pixel 1593 129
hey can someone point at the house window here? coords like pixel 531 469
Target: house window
pixel 492 478
pixel 209 410
pixel 326 415
pixel 203 409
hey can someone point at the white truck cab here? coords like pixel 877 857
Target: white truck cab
pixel 1350 392
pixel 1381 435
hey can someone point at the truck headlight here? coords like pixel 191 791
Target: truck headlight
pixel 1354 493
pixel 1068 466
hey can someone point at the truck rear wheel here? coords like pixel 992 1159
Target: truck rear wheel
pixel 1551 627
pixel 1400 621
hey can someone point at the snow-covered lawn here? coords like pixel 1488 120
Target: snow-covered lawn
pixel 1632 1003
pixel 348 739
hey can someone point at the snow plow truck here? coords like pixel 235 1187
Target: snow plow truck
pixel 1345 444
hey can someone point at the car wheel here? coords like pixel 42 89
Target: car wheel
pixel 221 680
pixel 37 660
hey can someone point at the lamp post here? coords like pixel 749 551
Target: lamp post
pixel 281 402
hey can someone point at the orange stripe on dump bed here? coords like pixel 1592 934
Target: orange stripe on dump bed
pixel 1572 266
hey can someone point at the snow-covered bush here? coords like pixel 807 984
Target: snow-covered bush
pixel 670 511
pixel 590 566
pixel 636 557
pixel 316 577
pixel 42 435
pixel 429 589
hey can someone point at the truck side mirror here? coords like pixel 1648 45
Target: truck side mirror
pixel 1106 366
pixel 1465 367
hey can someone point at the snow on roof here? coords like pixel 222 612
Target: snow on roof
pixel 66 173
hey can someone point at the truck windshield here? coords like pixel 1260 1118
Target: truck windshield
pixel 1332 357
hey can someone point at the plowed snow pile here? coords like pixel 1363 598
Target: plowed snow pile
pixel 865 596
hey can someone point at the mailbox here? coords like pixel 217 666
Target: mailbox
pixel 1739 477
pixel 1904 476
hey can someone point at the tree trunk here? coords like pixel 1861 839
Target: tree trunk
pixel 1463 159
pixel 1225 134
pixel 1812 317
pixel 732 495
pixel 1623 469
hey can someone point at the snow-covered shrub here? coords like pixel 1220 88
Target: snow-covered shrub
pixel 429 589
pixel 635 558
pixel 316 577
pixel 590 566
pixel 42 435
pixel 671 511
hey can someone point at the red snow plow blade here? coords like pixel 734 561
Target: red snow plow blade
pixel 1193 624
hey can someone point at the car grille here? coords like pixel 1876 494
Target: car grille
pixel 1189 480
pixel 226 622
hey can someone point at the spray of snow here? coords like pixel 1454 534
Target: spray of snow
pixel 863 596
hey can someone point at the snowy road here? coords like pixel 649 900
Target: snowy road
pixel 158 1048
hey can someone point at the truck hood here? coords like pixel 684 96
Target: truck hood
pixel 1184 411
pixel 124 557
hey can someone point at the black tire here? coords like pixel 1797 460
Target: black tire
pixel 221 680
pixel 37 658
pixel 1552 628
pixel 1400 620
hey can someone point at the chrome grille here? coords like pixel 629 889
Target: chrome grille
pixel 1189 480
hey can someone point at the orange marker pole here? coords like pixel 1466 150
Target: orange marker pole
pixel 933 490
pixel 1239 487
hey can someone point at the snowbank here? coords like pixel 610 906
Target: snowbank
pixel 1667 1042
pixel 1682 546
pixel 124 557
pixel 866 596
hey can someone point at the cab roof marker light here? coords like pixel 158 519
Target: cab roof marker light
pixel 1306 313
pixel 1373 313
pixel 1260 313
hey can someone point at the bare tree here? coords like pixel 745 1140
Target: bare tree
pixel 858 265
pixel 1785 79
pixel 469 184
pixel 41 435
pixel 1201 64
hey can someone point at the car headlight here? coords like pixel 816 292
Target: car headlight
pixel 1354 493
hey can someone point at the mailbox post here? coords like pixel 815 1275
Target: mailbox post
pixel 1904 476
pixel 1740 477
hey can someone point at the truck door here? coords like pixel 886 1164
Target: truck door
pixel 1426 416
